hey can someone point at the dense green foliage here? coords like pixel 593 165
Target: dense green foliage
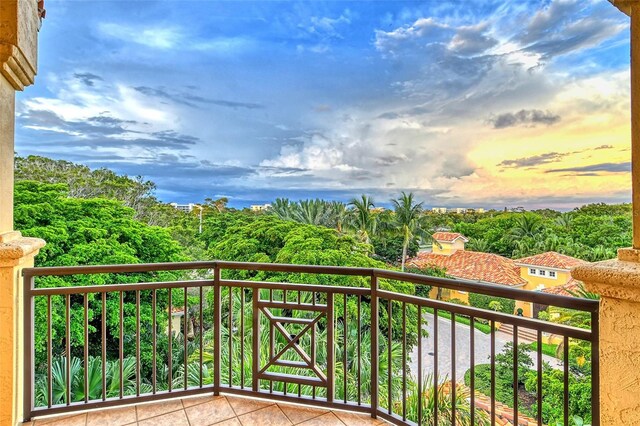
pixel 98 217
pixel 483 301
pixel 89 232
pixel 82 182
pixel 592 232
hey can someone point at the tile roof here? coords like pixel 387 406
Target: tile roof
pixel 551 259
pixel 473 265
pixel 448 237
pixel 572 285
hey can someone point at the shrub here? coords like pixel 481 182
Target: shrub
pixel 482 301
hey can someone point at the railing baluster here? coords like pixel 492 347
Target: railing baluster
pixel 154 332
pixel 137 342
pixel 389 361
pixel 185 361
pixel 453 369
pixel 472 362
pixel 404 361
pixel 344 349
pixel 86 347
pixel 330 348
pixel 435 367
pixel 49 355
pixel 121 344
pixel 515 374
pixel 313 348
pixel 217 331
pixel 104 346
pixel 255 356
pixel 359 354
pixel 493 372
pixel 201 332
pixel 374 344
pixel 539 371
pixel 230 336
pixel 419 364
pixel 170 343
pixel 242 337
pixel 68 348
pixel 565 398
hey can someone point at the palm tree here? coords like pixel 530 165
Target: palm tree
pixel 339 215
pixel 479 244
pixel 527 225
pixel 409 220
pixel 565 220
pixel 283 208
pixel 364 221
pixel 312 212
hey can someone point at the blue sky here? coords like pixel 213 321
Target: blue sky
pixel 466 103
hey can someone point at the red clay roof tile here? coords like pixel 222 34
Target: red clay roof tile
pixel 551 259
pixel 473 265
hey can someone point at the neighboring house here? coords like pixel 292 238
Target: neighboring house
pixel 448 253
pixel 544 271
pixel 448 242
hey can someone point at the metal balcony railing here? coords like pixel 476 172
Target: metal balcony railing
pixel 93 339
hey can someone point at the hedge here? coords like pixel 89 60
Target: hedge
pixel 482 301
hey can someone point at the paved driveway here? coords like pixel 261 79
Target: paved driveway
pixel 463 359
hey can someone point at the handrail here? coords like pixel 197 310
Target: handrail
pixel 448 283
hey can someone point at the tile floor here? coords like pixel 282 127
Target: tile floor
pixel 211 410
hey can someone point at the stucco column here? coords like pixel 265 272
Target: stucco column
pixel 16 252
pixel 19 24
pixel 618 281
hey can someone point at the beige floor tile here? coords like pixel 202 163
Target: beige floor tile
pixel 112 417
pixel 298 414
pixel 269 416
pixel 211 412
pixel 146 411
pixel 231 422
pixel 357 419
pixel 328 419
pixel 67 420
pixel 190 402
pixel 245 405
pixel 175 418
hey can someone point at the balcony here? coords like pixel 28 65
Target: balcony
pixel 204 337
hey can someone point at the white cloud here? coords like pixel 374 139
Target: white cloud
pixel 157 37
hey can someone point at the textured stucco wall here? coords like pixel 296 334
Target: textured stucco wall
pixel 7 106
pixel 618 284
pixel 620 362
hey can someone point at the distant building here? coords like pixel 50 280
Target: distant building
pixel 458 210
pixel 377 210
pixel 187 208
pixel 549 272
pixel 260 207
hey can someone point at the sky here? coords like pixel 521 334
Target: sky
pixel 466 103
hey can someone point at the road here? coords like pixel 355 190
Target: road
pixel 462 347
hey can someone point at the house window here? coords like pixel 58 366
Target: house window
pixel 532 271
pixel 552 274
pixel 542 272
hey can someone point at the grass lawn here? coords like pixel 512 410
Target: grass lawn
pixel 547 349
